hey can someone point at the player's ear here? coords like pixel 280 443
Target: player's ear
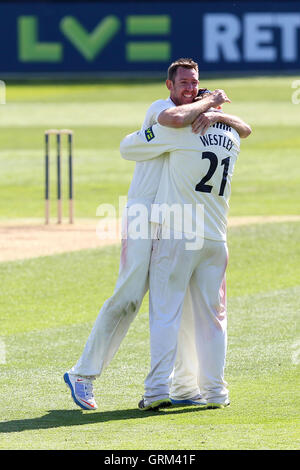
pixel 169 84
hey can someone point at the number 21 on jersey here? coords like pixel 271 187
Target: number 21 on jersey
pixel 207 188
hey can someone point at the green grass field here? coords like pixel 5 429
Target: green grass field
pixel 49 304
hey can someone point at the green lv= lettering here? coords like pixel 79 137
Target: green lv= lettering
pixel 90 44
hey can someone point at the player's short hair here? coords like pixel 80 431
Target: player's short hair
pixel 183 62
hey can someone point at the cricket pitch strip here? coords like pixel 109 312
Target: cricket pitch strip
pixel 31 238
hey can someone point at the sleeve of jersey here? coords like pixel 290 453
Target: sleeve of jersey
pixel 154 111
pixel 150 143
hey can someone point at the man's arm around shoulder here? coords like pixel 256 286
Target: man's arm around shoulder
pixel 184 115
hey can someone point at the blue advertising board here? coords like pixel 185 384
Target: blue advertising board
pixel 103 38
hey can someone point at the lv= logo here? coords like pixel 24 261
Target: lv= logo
pixel 91 44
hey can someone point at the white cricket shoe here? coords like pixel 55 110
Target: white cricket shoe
pixel 145 405
pixel 81 391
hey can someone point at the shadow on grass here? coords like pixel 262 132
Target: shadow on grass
pixel 60 418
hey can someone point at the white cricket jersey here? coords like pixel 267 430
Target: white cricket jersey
pixel 146 176
pixel 197 173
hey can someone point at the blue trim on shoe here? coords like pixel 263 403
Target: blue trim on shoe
pixel 69 383
pixel 187 401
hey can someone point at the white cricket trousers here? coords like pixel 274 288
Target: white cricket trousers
pixel 173 268
pixel 117 314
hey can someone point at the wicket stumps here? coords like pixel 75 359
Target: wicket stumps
pixel 58 133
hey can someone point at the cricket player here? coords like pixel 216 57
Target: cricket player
pixel 196 175
pixel 119 311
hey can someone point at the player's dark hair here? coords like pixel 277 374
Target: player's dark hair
pixel 186 63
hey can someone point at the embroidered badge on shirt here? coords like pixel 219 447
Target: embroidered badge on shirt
pixel 149 134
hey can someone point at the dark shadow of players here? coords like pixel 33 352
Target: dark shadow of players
pixel 58 418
